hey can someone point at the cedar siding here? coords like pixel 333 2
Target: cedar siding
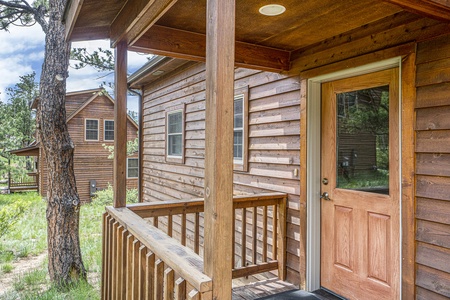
pixel 273 141
pixel 433 169
pixel 90 157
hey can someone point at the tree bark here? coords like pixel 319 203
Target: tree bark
pixel 65 264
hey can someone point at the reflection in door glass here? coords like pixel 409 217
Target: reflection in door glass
pixel 363 140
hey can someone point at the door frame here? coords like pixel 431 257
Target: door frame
pixel 313 162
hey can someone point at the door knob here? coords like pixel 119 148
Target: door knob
pixel 324 196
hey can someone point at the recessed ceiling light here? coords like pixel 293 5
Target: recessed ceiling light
pixel 272 10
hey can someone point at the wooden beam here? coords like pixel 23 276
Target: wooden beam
pixel 120 125
pixel 187 45
pixel 220 30
pixel 72 10
pixel 436 9
pixel 136 17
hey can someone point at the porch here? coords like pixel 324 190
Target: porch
pixel 155 250
pixel 29 182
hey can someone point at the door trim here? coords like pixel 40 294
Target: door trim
pixel 313 137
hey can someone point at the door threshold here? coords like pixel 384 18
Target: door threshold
pixel 325 294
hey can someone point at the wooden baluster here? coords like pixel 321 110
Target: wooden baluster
pixel 197 233
pixel 183 229
pixel 136 268
pixel 180 289
pixel 141 277
pixel 122 281
pixel 264 242
pixel 115 267
pixel 274 232
pixel 129 269
pixel 282 239
pixel 159 280
pixel 149 276
pixel 169 284
pixel 110 257
pixel 169 225
pixel 104 254
pixel 155 222
pixel 254 235
pixel 244 238
pixel 193 295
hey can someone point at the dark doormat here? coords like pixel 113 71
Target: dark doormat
pixel 294 294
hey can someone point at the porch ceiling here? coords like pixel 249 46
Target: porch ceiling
pixel 177 28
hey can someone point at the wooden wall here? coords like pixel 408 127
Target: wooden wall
pixel 274 142
pixel 90 157
pixel 433 169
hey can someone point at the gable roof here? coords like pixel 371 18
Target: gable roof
pixel 97 93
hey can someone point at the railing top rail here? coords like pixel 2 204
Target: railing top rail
pixel 162 208
pixel 181 259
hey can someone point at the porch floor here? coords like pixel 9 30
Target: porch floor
pixel 263 285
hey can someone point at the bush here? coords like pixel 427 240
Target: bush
pixel 105 197
pixel 9 214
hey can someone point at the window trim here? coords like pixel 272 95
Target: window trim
pixel 85 130
pixel 128 177
pixel 104 130
pixel 242 165
pixel 175 158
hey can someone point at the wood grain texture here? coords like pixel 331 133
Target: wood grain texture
pixel 274 131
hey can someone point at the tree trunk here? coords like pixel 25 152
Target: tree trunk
pixel 64 256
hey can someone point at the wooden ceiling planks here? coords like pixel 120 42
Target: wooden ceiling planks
pixel 177 28
pixel 436 9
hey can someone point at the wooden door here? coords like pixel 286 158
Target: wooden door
pixel 360 226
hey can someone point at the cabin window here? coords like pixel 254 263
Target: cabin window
pixel 91 132
pixel 109 130
pixel 132 168
pixel 240 134
pixel 175 134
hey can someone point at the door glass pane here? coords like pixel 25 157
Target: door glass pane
pixel 363 140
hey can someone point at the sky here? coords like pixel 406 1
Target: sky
pixel 22 52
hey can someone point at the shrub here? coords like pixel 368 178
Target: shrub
pixel 105 197
pixel 9 214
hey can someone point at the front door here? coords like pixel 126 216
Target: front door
pixel 360 232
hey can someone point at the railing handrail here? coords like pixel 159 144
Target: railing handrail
pixel 181 259
pixel 174 207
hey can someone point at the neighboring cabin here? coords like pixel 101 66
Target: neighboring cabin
pixel 90 120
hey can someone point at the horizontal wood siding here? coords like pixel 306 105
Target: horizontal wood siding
pixel 273 142
pixel 90 157
pixel 433 169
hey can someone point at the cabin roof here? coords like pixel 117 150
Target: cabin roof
pixel 32 150
pixel 178 28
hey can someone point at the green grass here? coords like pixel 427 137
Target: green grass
pixel 28 236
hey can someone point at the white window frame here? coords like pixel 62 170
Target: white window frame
pixel 104 130
pixel 242 164
pixel 170 111
pixel 85 129
pixel 128 159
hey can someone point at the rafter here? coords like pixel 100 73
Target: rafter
pixel 436 9
pixel 191 46
pixel 135 17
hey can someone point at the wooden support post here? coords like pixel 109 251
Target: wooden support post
pixel 220 29
pixel 120 125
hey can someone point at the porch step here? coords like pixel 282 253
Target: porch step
pixel 292 295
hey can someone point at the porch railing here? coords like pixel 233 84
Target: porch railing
pixel 146 245
pixel 29 182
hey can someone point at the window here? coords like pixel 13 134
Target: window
pixel 91 127
pixel 240 129
pixel 174 138
pixel 238 140
pixel 132 168
pixel 109 130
